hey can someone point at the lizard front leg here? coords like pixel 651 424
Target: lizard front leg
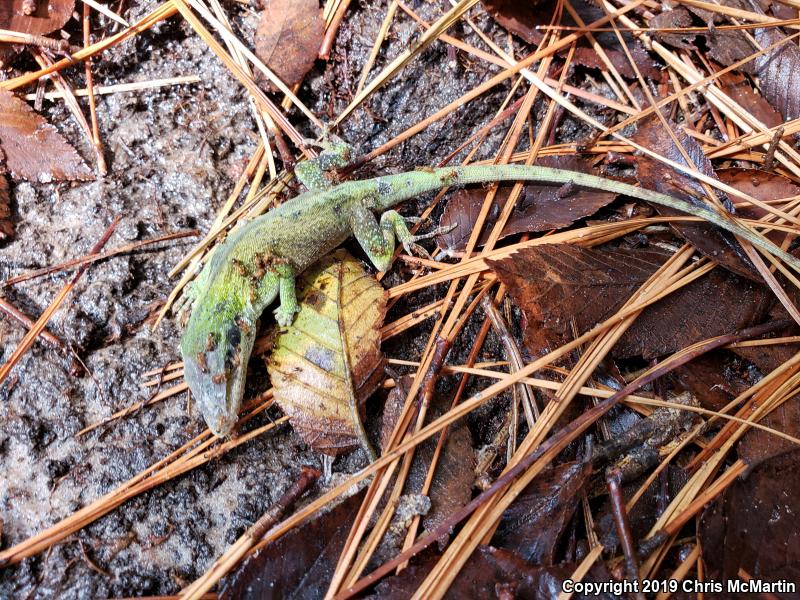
pixel 284 314
pixel 378 240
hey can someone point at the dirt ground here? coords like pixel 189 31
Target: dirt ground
pixel 173 156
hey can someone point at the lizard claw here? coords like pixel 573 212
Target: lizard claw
pixel 412 248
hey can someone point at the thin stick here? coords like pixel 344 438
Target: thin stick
pixel 95 131
pixel 121 87
pixel 40 324
pixel 94 257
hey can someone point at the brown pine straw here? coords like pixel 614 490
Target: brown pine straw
pixel 440 340
pixel 535 461
pixel 482 523
pixel 497 79
pixel 754 257
pixel 474 268
pixel 163 11
pixel 95 130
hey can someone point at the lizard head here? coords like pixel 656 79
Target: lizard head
pixel 215 349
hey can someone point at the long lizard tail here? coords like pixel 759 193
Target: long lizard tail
pixel 418 182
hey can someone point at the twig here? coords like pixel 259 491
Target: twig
pixel 37 328
pixel 228 561
pixel 16 37
pixel 613 479
pixel 90 258
pixel 121 87
pixel 95 131
pixel 332 29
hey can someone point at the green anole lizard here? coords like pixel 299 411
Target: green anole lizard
pixel 259 262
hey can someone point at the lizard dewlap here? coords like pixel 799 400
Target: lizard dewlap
pixel 258 263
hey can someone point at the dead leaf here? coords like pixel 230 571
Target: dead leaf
pixel 299 564
pixel 328 362
pixel 48 15
pixel 753 526
pixel 766 186
pixel 289 36
pixel 534 523
pixel 727 47
pixel 525 18
pixel 556 285
pixel 451 488
pixel 539 207
pixel 588 57
pixel 713 379
pixel 757 445
pixel 778 73
pixel 33 148
pixel 645 512
pixel 718 245
pixel 676 18
pixel 739 89
pixel 521 18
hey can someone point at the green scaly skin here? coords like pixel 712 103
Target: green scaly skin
pixel 259 261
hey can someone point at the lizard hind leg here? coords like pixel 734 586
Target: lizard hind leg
pixel 285 312
pixel 378 240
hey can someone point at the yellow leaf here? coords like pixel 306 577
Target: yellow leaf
pixel 328 362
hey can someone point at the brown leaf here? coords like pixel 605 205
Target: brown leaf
pixel 677 18
pixel 451 488
pixel 525 18
pixel 48 16
pixel 299 564
pixel 588 57
pixel 645 512
pixel 739 89
pixel 713 379
pixel 710 241
pixel 539 207
pixel 34 149
pixel 778 73
pixel 521 18
pixel 757 445
pixel 727 47
pixel 534 523
pixel 556 285
pixel 289 36
pixel 754 525
pixel 328 362
pixel 766 186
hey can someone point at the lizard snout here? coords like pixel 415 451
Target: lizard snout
pixel 216 378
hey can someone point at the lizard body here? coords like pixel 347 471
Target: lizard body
pixel 259 262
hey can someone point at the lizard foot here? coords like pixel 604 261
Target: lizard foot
pixel 411 249
pixel 284 317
